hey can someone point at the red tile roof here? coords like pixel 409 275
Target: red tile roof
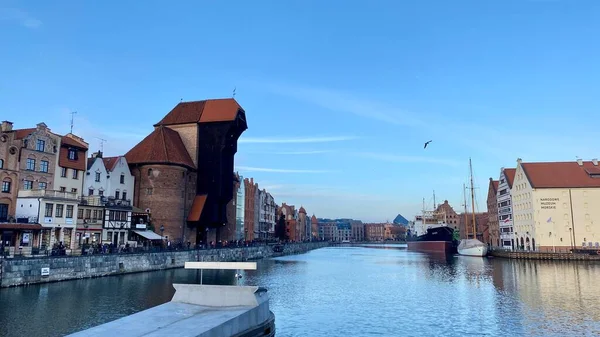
pixel 561 174
pixel 494 185
pixel 197 207
pixel 212 110
pixel 110 163
pixel 510 176
pixel 22 133
pixel 66 140
pixel 162 146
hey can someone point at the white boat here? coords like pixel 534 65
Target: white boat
pixel 471 247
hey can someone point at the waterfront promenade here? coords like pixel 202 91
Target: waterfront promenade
pixel 23 271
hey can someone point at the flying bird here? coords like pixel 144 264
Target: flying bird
pixel 427 144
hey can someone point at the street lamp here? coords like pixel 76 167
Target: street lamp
pixel 162 229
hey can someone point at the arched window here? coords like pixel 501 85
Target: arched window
pixel 1 163
pixel 149 172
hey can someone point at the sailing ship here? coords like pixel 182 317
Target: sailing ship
pixel 471 247
pixel 430 232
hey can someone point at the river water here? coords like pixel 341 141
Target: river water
pixel 354 291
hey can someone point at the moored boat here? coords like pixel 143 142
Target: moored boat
pixel 472 247
pixel 436 240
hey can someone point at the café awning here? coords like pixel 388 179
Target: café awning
pixel 150 235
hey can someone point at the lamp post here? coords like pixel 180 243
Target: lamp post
pixel 162 230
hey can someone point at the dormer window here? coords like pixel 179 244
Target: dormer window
pixel 72 154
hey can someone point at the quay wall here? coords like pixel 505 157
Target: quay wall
pixel 544 256
pixel 17 272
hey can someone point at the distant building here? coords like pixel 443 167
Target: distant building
pixel 314 227
pixel 400 220
pixel 492 210
pixel 358 231
pixel 505 208
pixel 343 232
pixel 240 208
pixel 250 227
pixel 374 232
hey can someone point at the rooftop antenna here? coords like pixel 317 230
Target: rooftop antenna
pixel 234 91
pixel 102 141
pixel 72 117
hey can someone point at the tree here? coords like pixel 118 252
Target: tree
pixel 280 230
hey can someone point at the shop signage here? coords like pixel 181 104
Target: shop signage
pixel 45 271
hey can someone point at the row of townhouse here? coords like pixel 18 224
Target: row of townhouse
pixel 546 206
pixel 53 194
pixel 341 230
pixel 298 225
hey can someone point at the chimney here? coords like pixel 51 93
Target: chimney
pixel 580 162
pixel 7 126
pixel 595 161
pixel 97 154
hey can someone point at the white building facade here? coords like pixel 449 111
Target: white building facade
pixel 240 207
pixel 505 208
pixel 107 207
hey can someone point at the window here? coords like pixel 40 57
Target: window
pixel 149 191
pixel 124 195
pixel 42 185
pixel 91 191
pixel 69 214
pixel 63 172
pixel 73 190
pixel 117 215
pixel 75 174
pixel 49 208
pixel 1 163
pixel 30 164
pixel 44 166
pixel 122 179
pixel 149 172
pixel 6 186
pixel 97 176
pixel 59 210
pixel 63 189
pixel 88 214
pixel 80 213
pixel 100 192
pixel 40 145
pixel 72 154
pixel 27 184
pixel 117 195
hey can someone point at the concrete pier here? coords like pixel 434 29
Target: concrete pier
pixel 198 311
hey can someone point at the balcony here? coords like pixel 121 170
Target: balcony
pixel 103 201
pixel 47 194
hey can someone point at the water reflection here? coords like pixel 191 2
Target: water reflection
pixel 346 291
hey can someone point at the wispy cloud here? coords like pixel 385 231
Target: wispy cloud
pixel 408 159
pixel 344 102
pixel 277 170
pixel 292 153
pixel 295 140
pixel 19 16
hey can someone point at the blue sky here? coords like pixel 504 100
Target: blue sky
pixel 340 95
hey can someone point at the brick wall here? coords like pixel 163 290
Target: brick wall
pixel 162 189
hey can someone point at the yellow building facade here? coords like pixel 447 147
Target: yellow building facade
pixel 556 218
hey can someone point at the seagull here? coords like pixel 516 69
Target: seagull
pixel 427 144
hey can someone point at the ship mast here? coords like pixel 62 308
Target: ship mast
pixel 472 200
pixel 466 218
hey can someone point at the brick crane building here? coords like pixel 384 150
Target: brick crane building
pixel 183 169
